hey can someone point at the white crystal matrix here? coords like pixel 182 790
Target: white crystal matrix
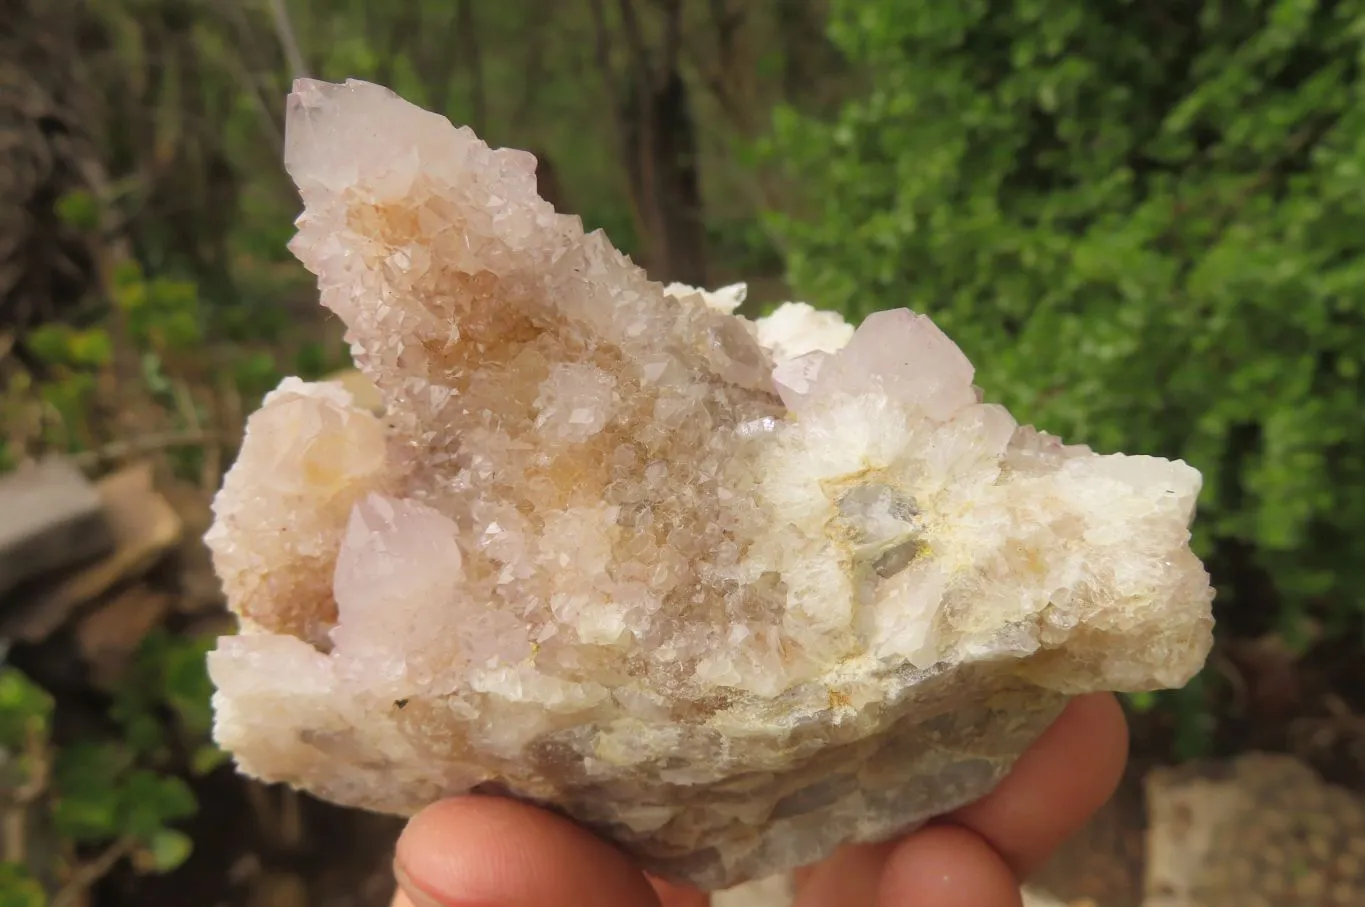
pixel 731 593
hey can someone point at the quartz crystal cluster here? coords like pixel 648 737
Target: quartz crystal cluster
pixel 730 593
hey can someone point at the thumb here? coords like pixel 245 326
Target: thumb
pixel 493 852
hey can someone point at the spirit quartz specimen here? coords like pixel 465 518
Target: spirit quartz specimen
pixel 729 593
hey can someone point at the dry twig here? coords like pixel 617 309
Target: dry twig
pixel 88 873
pixel 14 821
pixel 119 450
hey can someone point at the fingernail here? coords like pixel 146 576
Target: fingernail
pixel 416 895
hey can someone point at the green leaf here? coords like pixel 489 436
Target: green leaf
pixel 310 363
pixel 168 849
pixel 25 709
pixel 51 343
pixel 91 348
pixel 172 671
pixel 1141 702
pixel 126 273
pixel 143 730
pixel 18 888
pixel 130 294
pixel 207 758
pixel 87 778
pixel 150 800
pixel 88 817
pixel 79 209
pixel 256 374
pixel 186 685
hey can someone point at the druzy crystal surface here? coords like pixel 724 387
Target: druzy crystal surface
pixel 729 592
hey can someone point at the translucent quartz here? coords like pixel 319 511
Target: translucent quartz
pixel 731 593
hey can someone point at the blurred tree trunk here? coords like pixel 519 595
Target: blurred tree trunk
pixel 661 160
pixel 656 140
pixel 548 183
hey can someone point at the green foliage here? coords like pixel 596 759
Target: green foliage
pixel 168 672
pixel 107 792
pixel 1144 223
pixel 60 344
pixel 86 776
pixel 79 209
pixel 256 373
pixel 18 888
pixel 25 711
pixel 123 790
pixel 163 314
pixel 1193 720
pixel 103 795
pixel 69 396
pixel 313 362
pixel 167 850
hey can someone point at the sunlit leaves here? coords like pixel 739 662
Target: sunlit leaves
pixel 102 795
pixel 1144 223
pixel 18 888
pixel 25 710
pixel 79 209
pixel 60 344
pixel 166 850
pixel 119 791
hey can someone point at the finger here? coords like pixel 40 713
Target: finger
pixel 849 878
pixel 671 895
pixel 494 852
pixel 946 866
pixel 1055 786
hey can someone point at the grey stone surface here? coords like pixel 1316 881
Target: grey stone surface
pixel 51 517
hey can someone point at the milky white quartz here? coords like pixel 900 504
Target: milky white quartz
pixel 730 593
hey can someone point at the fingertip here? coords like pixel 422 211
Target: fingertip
pixel 1056 785
pixel 849 878
pixel 671 895
pixel 947 866
pixel 495 852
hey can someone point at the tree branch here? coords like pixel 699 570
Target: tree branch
pixel 635 45
pixel 672 48
pixel 640 148
pixel 616 103
pixel 727 23
pixel 602 53
pixel 87 874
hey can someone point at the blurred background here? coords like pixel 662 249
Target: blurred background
pixel 1143 220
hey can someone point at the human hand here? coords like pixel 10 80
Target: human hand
pixel 492 852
